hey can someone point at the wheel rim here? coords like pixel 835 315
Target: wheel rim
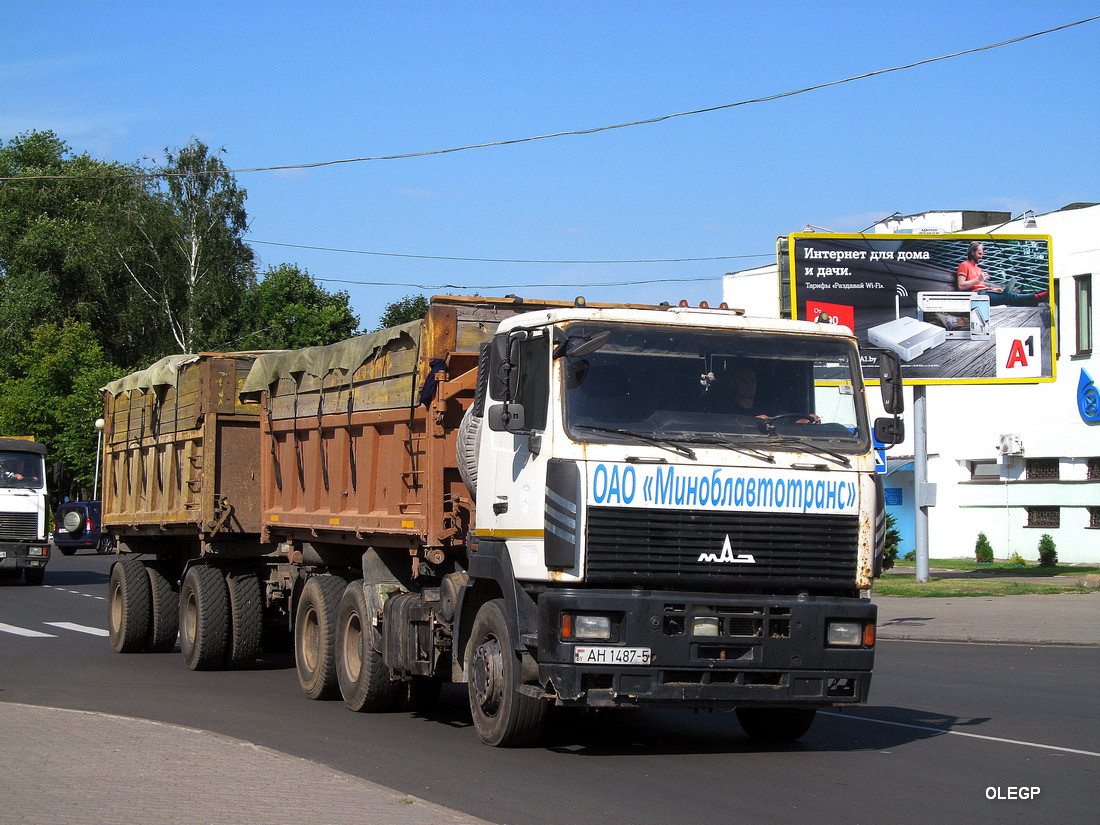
pixel 116 607
pixel 311 639
pixel 353 648
pixel 190 617
pixel 488 676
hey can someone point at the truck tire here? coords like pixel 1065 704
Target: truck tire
pixel 204 618
pixel 246 619
pixel 34 576
pixel 503 717
pixel 128 606
pixel 164 614
pixel 315 636
pixel 775 724
pixel 363 677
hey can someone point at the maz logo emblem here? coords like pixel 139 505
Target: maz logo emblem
pixel 726 556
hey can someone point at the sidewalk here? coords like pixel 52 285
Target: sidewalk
pixel 1069 619
pixel 64 767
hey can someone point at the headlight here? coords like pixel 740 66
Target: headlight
pixel 704 626
pixel 579 626
pixel 844 634
pixel 38 551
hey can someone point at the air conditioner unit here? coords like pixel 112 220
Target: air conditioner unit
pixel 1010 445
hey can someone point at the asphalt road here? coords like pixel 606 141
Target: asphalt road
pixel 948 726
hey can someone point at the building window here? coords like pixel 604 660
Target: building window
pixel 1094 517
pixel 1094 468
pixel 1042 469
pixel 1083 287
pixel 1043 517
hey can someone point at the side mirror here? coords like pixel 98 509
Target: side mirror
pixel 889 431
pixel 889 376
pixel 506 418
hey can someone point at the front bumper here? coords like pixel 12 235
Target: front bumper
pixel 769 650
pixel 19 555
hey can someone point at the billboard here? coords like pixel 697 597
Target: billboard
pixel 957 309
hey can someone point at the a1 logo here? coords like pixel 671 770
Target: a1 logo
pixel 1019 352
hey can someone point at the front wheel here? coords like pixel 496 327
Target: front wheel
pixel 34 576
pixel 502 716
pixel 775 724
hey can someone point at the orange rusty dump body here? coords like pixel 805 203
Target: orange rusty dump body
pixel 352 452
pixel 181 451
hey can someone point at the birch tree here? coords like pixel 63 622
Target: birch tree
pixel 194 266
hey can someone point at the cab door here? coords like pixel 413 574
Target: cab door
pixel 512 469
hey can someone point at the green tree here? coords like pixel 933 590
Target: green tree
pixel 409 308
pixel 59 245
pixel 189 259
pixel 55 397
pixel 289 310
pixel 891 542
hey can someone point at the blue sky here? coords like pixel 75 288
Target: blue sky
pixel 279 83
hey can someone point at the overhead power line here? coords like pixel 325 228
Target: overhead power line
pixel 594 130
pixel 518 285
pixel 508 260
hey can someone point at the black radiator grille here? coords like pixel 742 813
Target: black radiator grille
pixel 18 526
pixel 662 548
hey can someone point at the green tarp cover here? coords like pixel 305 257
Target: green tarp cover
pixel 318 362
pixel 161 374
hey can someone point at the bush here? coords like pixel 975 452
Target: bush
pixel 1017 560
pixel 983 551
pixel 890 545
pixel 1048 553
pixel 910 556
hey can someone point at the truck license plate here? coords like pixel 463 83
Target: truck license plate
pixel 612 655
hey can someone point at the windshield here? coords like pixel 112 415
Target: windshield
pixel 715 387
pixel 21 469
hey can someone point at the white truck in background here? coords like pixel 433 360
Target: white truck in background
pixel 24 505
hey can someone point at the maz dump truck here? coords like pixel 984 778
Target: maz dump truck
pixel 24 504
pixel 551 503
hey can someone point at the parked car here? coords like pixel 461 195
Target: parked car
pixel 77 525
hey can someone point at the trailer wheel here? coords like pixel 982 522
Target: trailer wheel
pixel 502 715
pixel 128 606
pixel 363 677
pixel 775 724
pixel 315 636
pixel 164 623
pixel 204 618
pixel 246 619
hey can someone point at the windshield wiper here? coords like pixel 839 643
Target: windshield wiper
pixel 840 458
pixel 664 443
pixel 749 448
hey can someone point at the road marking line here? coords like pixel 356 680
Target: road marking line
pixel 22 631
pixel 963 733
pixel 80 628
